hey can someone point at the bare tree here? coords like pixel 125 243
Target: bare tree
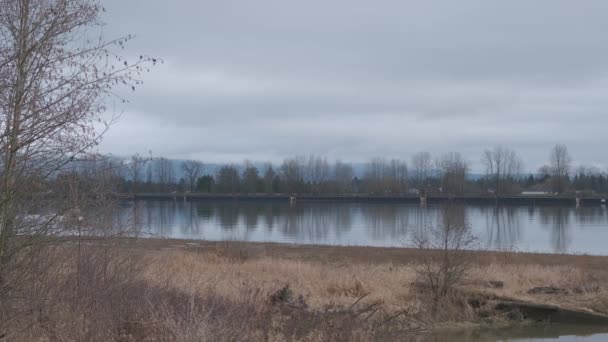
pixel 251 178
pixel 423 165
pixel 343 176
pixel 56 77
pixel 502 166
pixel 269 179
pixel 560 167
pixel 382 176
pixel 228 179
pixel 165 173
pixel 192 170
pixel 453 170
pixel 397 175
pixel 374 177
pixel 293 173
pixel 135 169
pixel 446 246
pixel 317 173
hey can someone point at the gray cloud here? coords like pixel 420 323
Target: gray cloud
pixel 351 79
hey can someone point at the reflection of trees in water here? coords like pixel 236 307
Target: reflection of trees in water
pixel 149 213
pixel 188 220
pixel 172 217
pixel 343 219
pixel 310 221
pixel 250 213
pixel 591 215
pixel 531 211
pixel 159 215
pixel 204 210
pixel 455 215
pixel 428 219
pixel 503 227
pixel 314 222
pixel 452 215
pixel 163 218
pixel 306 222
pixel 558 220
pixel 423 219
pixel 386 221
pixel 228 215
pixel 160 219
pixel 270 213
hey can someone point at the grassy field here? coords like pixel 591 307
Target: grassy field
pixel 374 284
pixel 176 290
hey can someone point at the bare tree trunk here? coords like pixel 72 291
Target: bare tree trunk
pixel 13 129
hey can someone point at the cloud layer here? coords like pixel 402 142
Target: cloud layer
pixel 352 79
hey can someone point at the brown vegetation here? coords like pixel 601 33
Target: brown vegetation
pixel 161 290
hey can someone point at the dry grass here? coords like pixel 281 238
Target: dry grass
pixel 319 284
pixel 340 282
pixel 256 292
pixel 325 283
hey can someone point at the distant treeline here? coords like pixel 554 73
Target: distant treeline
pixel 448 174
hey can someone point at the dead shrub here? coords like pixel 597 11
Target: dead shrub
pixel 74 292
pixel 283 295
pixel 179 316
pixel 446 249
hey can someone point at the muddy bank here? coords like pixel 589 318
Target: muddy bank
pixel 551 313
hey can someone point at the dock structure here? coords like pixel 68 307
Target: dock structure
pixel 422 200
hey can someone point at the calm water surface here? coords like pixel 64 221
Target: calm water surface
pixel 551 229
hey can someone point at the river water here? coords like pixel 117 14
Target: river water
pixel 540 228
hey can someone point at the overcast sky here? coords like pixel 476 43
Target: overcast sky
pixel 352 79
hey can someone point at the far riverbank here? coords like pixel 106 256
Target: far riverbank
pixel 572 199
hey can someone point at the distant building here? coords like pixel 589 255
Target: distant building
pixel 536 193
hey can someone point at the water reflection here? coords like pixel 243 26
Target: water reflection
pixel 503 227
pixel 558 220
pixel 524 228
pixel 386 221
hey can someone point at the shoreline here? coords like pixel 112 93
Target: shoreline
pixel 370 254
